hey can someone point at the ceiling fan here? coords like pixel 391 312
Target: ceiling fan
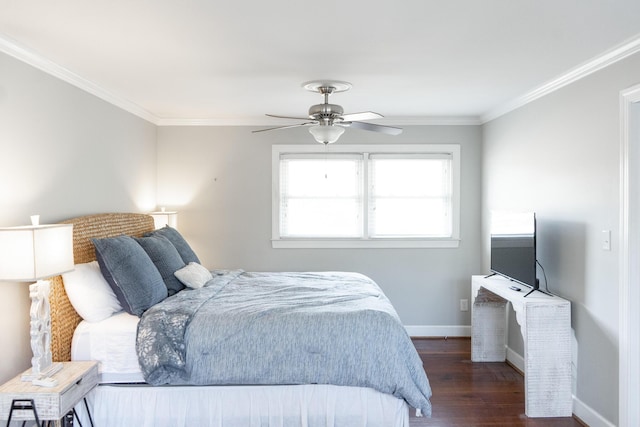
pixel 328 121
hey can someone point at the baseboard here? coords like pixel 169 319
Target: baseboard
pixel 438 331
pixel 588 416
pixel 515 360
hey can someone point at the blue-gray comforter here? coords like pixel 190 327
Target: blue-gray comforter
pixel 282 328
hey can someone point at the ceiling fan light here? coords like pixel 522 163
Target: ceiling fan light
pixel 326 134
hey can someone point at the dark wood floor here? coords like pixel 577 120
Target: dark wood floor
pixel 469 394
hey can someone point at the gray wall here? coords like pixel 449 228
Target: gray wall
pixel 65 153
pixel 219 179
pixel 559 156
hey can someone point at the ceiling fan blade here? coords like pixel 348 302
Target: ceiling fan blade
pixel 284 127
pixel 390 130
pixel 287 117
pixel 365 115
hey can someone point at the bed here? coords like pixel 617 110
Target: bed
pixel 248 381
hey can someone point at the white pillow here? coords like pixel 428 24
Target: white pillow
pixel 89 292
pixel 193 275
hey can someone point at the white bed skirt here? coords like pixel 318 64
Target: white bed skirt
pixel 243 406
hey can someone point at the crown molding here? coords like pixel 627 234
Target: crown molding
pixel 26 55
pixel 227 121
pixel 436 121
pixel 249 121
pixel 601 61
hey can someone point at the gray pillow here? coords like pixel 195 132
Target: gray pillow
pixel 130 272
pixel 178 241
pixel 166 258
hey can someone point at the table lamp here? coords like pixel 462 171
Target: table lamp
pixel 31 253
pixel 164 217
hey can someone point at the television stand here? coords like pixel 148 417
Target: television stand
pixel 545 325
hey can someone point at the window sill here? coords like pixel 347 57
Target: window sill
pixel 364 244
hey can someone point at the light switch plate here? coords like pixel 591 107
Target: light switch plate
pixel 606 240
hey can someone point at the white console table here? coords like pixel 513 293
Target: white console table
pixel 545 324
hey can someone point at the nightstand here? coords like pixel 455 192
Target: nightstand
pixel 75 380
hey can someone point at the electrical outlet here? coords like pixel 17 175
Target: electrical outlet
pixel 464 305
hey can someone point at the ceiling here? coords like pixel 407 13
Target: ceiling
pixel 229 62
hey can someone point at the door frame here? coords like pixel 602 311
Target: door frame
pixel 629 269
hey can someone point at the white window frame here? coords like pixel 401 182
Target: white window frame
pixel 279 242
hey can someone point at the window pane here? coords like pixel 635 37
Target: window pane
pixel 320 197
pixel 410 197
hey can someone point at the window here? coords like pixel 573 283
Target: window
pixel 349 196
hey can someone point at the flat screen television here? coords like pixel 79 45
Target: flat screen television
pixel 513 247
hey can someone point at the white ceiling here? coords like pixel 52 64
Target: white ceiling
pixel 229 62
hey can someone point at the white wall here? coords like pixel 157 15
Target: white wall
pixel 559 156
pixel 63 153
pixel 219 179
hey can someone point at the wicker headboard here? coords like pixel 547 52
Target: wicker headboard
pixel 64 318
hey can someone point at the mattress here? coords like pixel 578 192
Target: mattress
pixel 113 342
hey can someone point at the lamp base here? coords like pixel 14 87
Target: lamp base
pixel 42 367
pixel 44 374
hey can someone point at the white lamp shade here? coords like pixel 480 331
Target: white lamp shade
pixel 326 134
pixel 35 252
pixel 163 218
